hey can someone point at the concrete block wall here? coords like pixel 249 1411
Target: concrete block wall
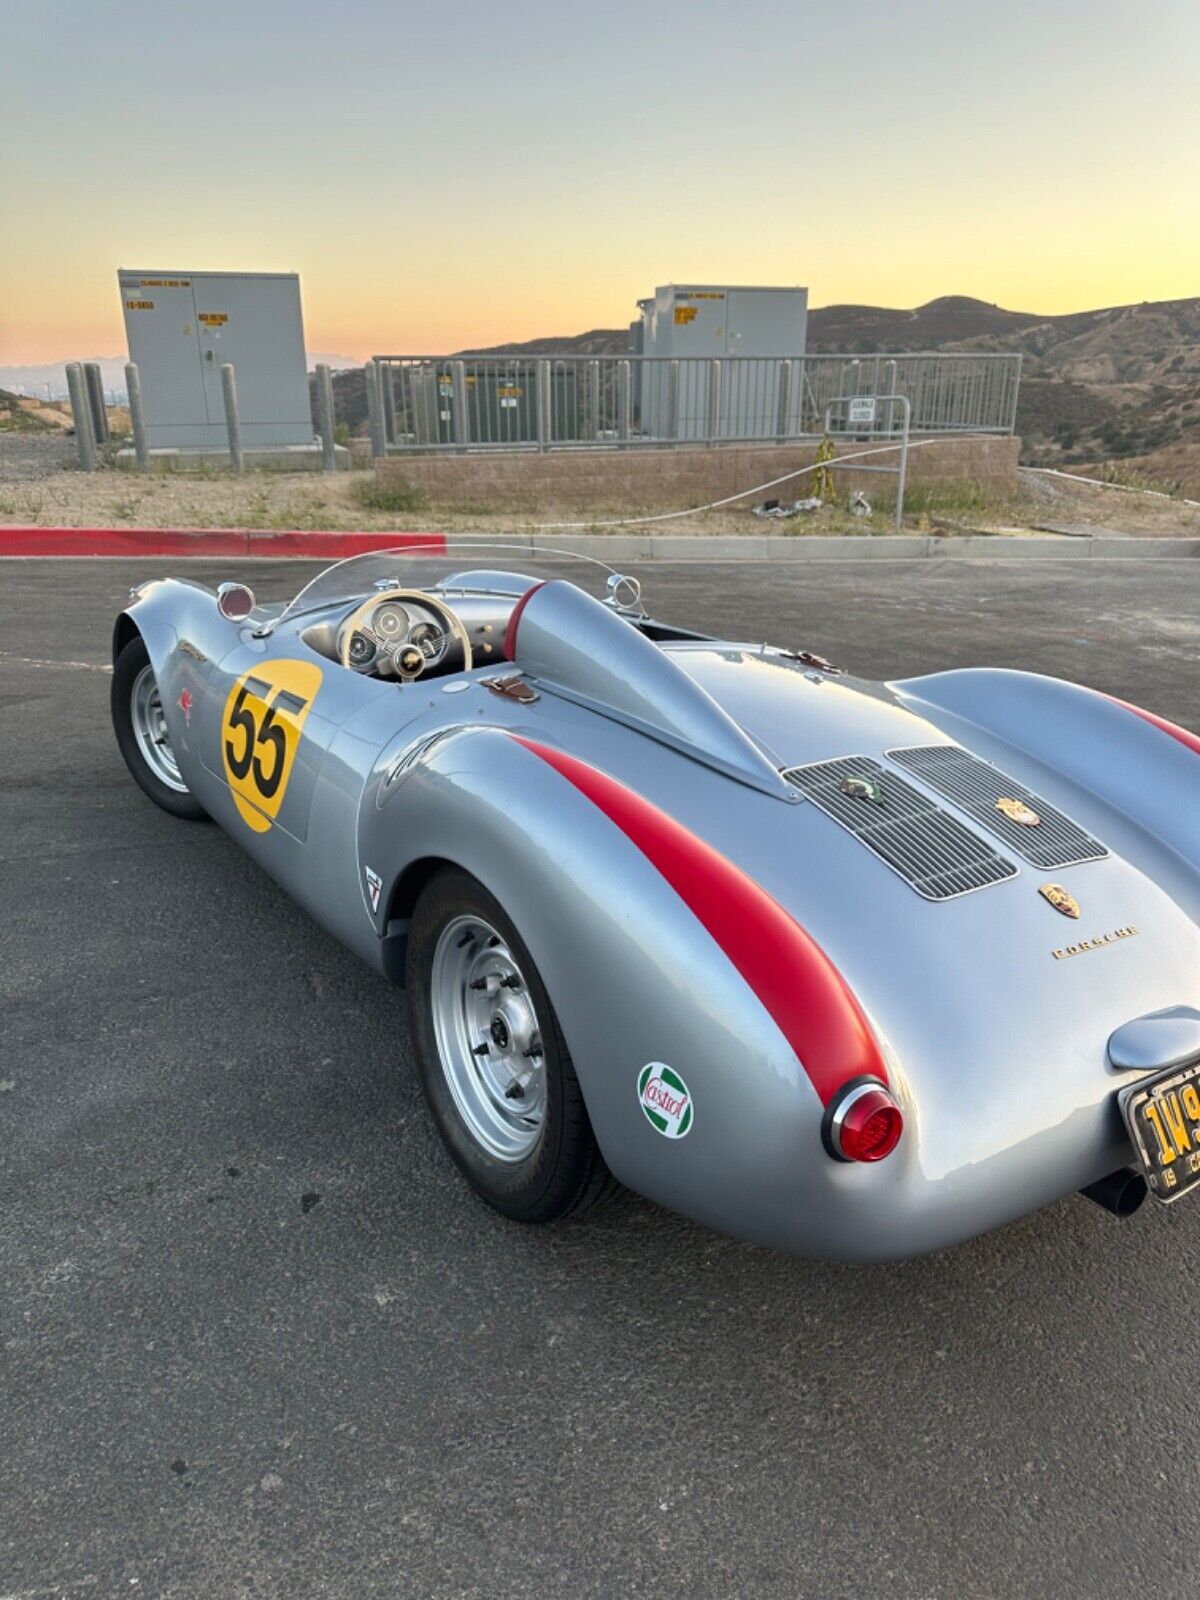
pixel 642 479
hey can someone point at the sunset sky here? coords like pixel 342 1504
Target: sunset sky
pixel 443 175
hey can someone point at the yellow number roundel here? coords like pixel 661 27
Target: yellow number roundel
pixel 260 733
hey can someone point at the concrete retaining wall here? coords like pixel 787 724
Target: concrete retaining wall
pixel 666 480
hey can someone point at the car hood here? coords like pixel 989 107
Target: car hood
pixel 797 715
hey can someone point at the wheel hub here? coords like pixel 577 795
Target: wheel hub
pixel 150 730
pixel 489 1038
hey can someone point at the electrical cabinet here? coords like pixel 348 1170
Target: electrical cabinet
pixel 182 327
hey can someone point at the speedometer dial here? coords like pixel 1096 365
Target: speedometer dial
pixel 390 621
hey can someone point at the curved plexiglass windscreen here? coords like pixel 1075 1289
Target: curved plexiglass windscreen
pixel 420 567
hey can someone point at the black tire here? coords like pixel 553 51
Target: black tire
pixel 565 1174
pixel 132 661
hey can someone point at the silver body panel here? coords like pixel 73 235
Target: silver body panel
pixel 995 1036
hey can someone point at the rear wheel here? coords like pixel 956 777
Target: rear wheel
pixel 142 736
pixel 492 1058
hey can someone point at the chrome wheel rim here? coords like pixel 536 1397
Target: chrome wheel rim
pixel 489 1039
pixel 150 731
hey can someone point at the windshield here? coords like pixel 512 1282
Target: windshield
pixel 418 566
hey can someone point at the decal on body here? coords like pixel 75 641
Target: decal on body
pixel 374 885
pixel 665 1100
pixel 260 733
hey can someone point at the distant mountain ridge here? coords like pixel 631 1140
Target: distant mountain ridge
pixel 1116 344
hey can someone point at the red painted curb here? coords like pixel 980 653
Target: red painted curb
pixel 255 542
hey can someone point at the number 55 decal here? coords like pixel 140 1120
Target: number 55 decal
pixel 260 733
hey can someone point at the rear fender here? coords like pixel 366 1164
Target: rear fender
pixel 634 976
pixel 1094 742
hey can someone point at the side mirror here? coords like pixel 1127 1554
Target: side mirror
pixel 235 601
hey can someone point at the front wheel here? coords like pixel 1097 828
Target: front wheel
pixel 141 730
pixel 492 1058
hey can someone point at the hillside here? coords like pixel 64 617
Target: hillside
pixel 19 414
pixel 1122 382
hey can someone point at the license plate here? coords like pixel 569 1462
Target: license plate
pixel 1163 1118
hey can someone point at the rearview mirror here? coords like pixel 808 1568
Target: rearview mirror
pixel 235 601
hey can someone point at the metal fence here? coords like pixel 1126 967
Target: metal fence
pixel 507 402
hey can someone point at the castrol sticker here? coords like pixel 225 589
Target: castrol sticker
pixel 665 1100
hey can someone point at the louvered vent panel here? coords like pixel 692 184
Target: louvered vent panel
pixel 976 786
pixel 934 852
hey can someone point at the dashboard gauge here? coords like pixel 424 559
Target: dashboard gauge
pixel 362 650
pixel 428 640
pixel 390 621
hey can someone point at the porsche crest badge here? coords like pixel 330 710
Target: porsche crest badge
pixel 1018 811
pixel 1060 899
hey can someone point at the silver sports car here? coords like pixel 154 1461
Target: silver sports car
pixel 854 969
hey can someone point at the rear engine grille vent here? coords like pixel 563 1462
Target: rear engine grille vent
pixel 930 849
pixel 976 787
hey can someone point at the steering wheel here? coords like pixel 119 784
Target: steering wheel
pixel 357 623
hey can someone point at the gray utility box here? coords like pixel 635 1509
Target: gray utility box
pixel 183 326
pixel 693 323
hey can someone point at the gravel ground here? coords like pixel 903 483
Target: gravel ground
pixel 258 1340
pixel 31 457
pixel 217 499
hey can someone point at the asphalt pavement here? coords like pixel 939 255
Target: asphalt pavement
pixel 258 1339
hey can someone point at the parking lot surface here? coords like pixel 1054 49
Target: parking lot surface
pixel 258 1339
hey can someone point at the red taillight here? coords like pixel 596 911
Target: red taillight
pixel 863 1123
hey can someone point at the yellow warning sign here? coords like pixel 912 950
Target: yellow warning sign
pixel 213 319
pixel 685 314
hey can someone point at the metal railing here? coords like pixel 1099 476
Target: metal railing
pixel 511 402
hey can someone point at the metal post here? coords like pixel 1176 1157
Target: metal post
pixel 889 388
pixel 592 429
pixel 714 399
pixel 905 412
pixel 81 410
pixel 672 428
pixel 94 380
pixel 462 417
pixel 233 424
pixel 784 418
pixel 374 411
pixel 325 417
pixel 543 408
pixel 137 416
pixel 623 387
pixel 389 402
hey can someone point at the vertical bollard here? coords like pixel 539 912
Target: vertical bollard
pixel 81 411
pixel 94 380
pixel 233 425
pixel 375 411
pixel 137 416
pixel 325 417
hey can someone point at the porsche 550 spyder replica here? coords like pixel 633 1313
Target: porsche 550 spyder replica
pixel 853 969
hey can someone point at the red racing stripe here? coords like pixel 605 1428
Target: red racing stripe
pixel 793 977
pixel 1190 740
